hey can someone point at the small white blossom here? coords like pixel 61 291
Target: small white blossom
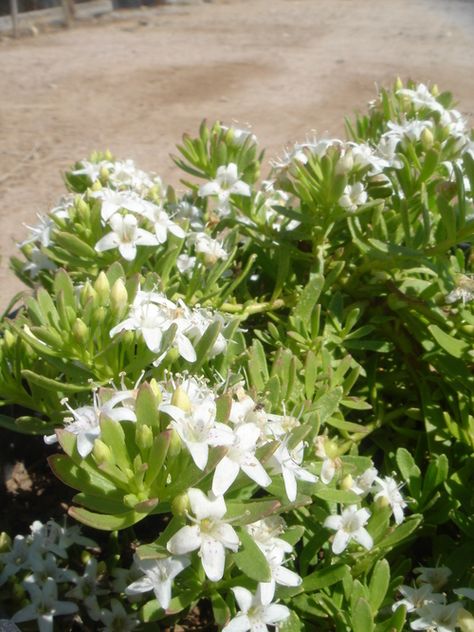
pixel 279 575
pixel 44 605
pixel 437 576
pixel 354 196
pixel 210 534
pixel 389 490
pixel 240 456
pixel 350 525
pixel 421 97
pixel 266 532
pixel 158 577
pixel 91 169
pixel 288 463
pixel 364 483
pixel 126 236
pixel 254 615
pixel 87 589
pixel 416 598
pixel 225 184
pixel 437 617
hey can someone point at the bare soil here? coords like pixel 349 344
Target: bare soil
pixel 134 82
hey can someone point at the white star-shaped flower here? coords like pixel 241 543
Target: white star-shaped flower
pixel 158 576
pixel 349 526
pixel 209 534
pixel 389 490
pixel 225 184
pixel 126 235
pixel 254 615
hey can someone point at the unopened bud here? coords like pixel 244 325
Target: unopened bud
pixel 180 505
pixel 80 331
pixel 143 437
pixel 102 287
pixel 382 502
pixel 85 556
pixel 465 620
pixel 83 210
pixel 427 139
pixel 100 315
pixel 96 186
pixel 345 163
pixel 108 155
pixel 175 444
pixel 398 85
pixel 435 90
pixel 102 452
pixel 332 449
pixel 88 293
pixel 347 482
pixel 118 297
pixel 5 542
pixel 9 339
pixel 104 174
pixel 155 389
pixel 130 500
pixel 181 399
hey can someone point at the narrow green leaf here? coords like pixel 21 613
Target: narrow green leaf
pixel 54 385
pixel 378 585
pixel 456 348
pixel 325 577
pixel 362 620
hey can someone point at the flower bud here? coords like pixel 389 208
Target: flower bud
pixel 175 444
pixel 130 500
pixel 102 453
pixel 398 85
pixel 332 449
pixel 435 90
pixel 104 174
pixel 345 163
pixel 83 211
pixel 143 437
pixel 155 389
pixel 427 139
pixel 465 620
pixel 96 186
pixel 102 287
pixel 382 502
pixel 100 315
pixel 85 556
pixel 9 339
pixel 88 294
pixel 80 331
pixel 108 155
pixel 118 298
pixel 347 482
pixel 5 542
pixel 181 399
pixel 180 505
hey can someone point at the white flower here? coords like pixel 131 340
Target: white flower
pixel 265 534
pixel 210 534
pixel 162 223
pixel 279 575
pixel 198 428
pixel 87 589
pixel 239 135
pixel 225 184
pixel 349 526
pixel 388 490
pixel 23 555
pixel 186 264
pixel 387 151
pixel 152 314
pixel 437 617
pixel 421 97
pixel 363 483
pixel 289 464
pixel 211 248
pixel 112 201
pixel 117 618
pixel 240 456
pixel 38 261
pixel 126 236
pixel 51 537
pixel 254 615
pixel 464 291
pixel 416 598
pixel 125 173
pixel 327 450
pixel 410 130
pixel 85 425
pixel 437 576
pixel 158 576
pixel 354 195
pixel 44 605
pixel 186 210
pixel 91 169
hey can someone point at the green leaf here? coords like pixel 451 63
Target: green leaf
pixel 308 299
pixel 107 522
pixel 146 406
pixel 220 609
pixel 378 585
pixel 362 620
pixel 336 495
pixel 291 624
pixel 113 435
pixel 396 623
pixel 250 559
pixel 71 243
pixel 409 470
pixel 252 510
pixel 325 577
pixel 204 346
pixel 401 532
pixel 456 348
pixel 54 385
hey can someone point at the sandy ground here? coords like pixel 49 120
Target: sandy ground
pixel 135 84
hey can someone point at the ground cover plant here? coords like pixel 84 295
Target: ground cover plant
pixel 260 390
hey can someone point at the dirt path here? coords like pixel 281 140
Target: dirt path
pixel 135 85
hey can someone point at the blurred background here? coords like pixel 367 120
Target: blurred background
pixel 133 80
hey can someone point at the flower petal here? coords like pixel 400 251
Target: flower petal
pixel 212 558
pixel 185 540
pixel 224 475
